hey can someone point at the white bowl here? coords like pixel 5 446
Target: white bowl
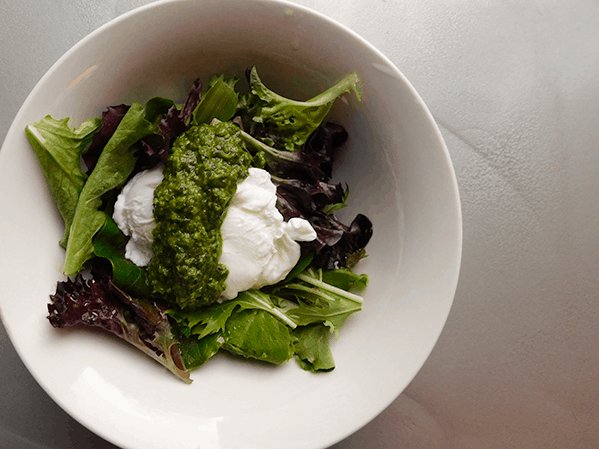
pixel 400 175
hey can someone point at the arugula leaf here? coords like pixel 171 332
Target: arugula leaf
pixel 332 314
pixel 301 265
pixel 294 120
pixel 308 297
pixel 280 162
pixel 256 299
pixel 249 325
pixel 58 149
pixel 205 321
pixel 345 279
pixel 227 325
pixel 114 166
pixel 313 349
pixel 213 318
pixel 319 302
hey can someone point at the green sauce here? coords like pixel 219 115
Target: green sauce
pixel 204 167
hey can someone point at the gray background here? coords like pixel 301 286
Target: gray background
pixel 514 87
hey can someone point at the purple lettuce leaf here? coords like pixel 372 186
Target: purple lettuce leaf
pixel 174 123
pixel 98 302
pixel 111 118
pixel 353 239
pixel 154 148
pixel 312 198
pixel 335 242
pixel 323 145
pixel 305 196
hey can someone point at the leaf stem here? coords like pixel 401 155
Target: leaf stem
pixel 276 312
pixel 330 288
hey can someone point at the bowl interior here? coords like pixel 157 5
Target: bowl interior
pixel 400 176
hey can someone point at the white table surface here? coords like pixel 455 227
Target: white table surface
pixel 514 87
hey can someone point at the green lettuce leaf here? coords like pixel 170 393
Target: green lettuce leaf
pixel 111 171
pixel 156 108
pixel 58 149
pixel 294 120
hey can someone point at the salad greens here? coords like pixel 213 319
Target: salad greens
pixel 98 302
pixel 112 170
pixel 59 149
pixel 312 349
pixel 295 121
pixel 109 244
pixel 220 101
pixel 303 299
pixel 292 319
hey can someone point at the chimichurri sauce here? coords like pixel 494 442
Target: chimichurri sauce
pixel 201 175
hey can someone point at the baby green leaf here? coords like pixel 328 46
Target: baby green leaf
pixel 312 348
pixel 195 352
pixel 257 334
pixel 109 244
pixel 220 102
